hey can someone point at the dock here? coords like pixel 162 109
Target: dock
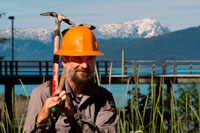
pixel 114 72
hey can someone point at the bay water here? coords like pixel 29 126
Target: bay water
pixel 118 90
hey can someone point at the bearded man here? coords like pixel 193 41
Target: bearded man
pixel 83 105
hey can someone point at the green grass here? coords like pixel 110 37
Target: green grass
pixel 160 109
pixel 158 113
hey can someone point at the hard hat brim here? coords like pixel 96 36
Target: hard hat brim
pixel 78 53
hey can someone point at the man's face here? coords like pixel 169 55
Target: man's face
pixel 80 68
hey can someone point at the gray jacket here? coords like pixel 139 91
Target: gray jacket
pixel 96 111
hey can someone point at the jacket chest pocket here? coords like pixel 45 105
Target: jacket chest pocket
pixel 88 113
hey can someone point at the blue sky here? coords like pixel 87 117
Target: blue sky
pixel 175 14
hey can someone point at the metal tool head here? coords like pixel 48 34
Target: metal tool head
pixel 91 27
pixel 53 14
pixel 59 17
pixel 64 31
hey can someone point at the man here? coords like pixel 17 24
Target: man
pixel 84 106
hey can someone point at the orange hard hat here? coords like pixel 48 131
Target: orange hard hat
pixel 79 41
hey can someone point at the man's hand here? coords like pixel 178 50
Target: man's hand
pixel 68 108
pixel 56 99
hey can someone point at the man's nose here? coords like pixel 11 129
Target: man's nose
pixel 84 64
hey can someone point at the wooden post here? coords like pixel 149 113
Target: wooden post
pixel 174 67
pixel 40 67
pixel 9 88
pixel 169 82
pixel 11 68
pixel 16 67
pixel 169 86
pixel 6 68
pixel 163 67
pixel 47 65
pixel 126 67
pixel 153 68
pixel 135 68
pixel 106 68
pixel 191 67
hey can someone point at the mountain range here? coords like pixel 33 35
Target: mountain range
pixel 145 28
pixel 178 45
pixel 140 39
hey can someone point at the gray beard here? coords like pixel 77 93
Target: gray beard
pixel 71 73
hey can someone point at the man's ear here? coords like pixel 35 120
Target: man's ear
pixel 64 60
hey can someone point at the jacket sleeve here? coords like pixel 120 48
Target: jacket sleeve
pixel 35 105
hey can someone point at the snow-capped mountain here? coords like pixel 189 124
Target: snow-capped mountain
pixel 144 28
pixel 37 44
pixel 39 34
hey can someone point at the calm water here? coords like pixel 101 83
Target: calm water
pixel 118 90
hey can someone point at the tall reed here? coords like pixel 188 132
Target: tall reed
pixel 154 110
pixel 14 123
pixel 159 113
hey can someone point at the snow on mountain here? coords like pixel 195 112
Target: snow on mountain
pixel 30 41
pixel 144 28
pixel 40 34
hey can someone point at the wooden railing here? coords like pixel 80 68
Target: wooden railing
pixel 142 67
pixel 146 67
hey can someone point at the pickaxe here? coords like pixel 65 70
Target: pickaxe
pixel 58 19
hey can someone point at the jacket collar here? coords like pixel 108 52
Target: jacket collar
pixel 90 91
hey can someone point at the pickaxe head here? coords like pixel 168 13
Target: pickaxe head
pixel 59 17
pixel 64 31
pixel 91 27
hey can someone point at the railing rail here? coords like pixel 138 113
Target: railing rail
pixel 143 67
